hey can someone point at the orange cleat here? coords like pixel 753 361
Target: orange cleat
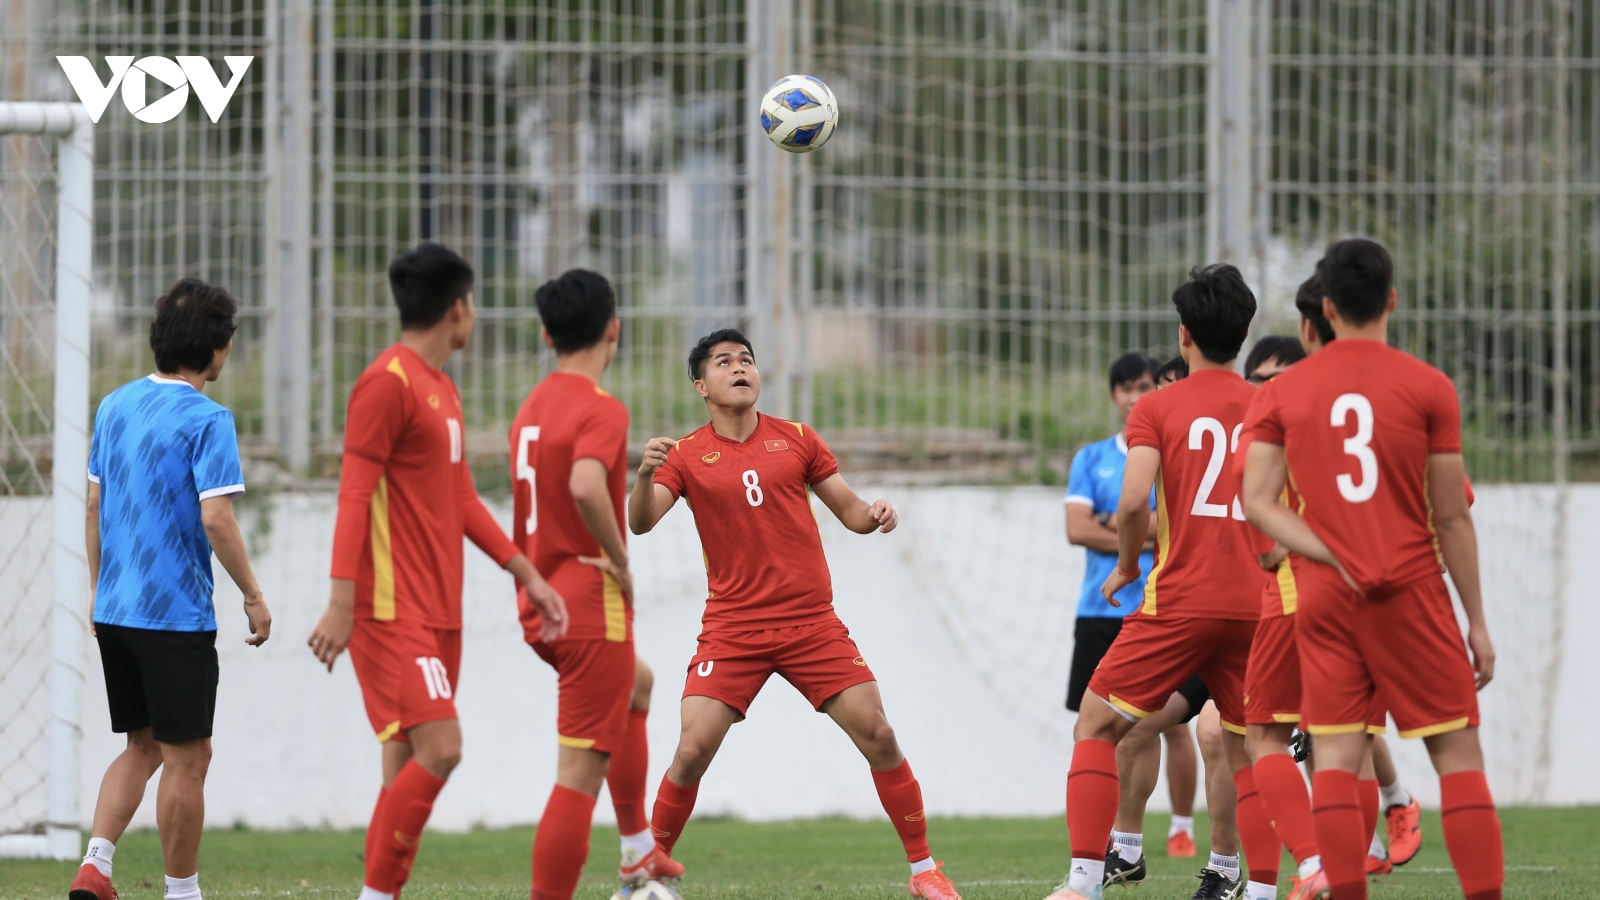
pixel 656 865
pixel 1378 865
pixel 933 885
pixel 1314 887
pixel 1181 846
pixel 1405 831
pixel 91 885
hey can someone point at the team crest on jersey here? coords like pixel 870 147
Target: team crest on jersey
pixel 712 457
pixel 775 446
pixel 433 401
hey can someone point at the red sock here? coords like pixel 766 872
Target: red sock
pixel 1262 849
pixel 674 803
pixel 372 830
pixel 902 800
pixel 1336 815
pixel 1472 834
pixel 626 776
pixel 561 844
pixel 405 810
pixel 1092 798
pixel 1287 802
pixel 1367 788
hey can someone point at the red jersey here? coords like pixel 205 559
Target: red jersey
pixel 1282 594
pixel 565 419
pixel 1357 422
pixel 752 506
pixel 405 495
pixel 1205 553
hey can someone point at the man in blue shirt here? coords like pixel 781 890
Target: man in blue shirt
pixel 163 470
pixel 1093 490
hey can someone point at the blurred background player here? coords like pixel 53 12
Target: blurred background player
pixel 163 471
pixel 748 479
pixel 1172 371
pixel 1199 607
pixel 1378 530
pixel 569 457
pixel 405 501
pixel 1094 486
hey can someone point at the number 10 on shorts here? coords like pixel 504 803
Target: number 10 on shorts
pixel 435 677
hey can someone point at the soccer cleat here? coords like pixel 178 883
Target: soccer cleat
pixel 1216 886
pixel 1314 887
pixel 933 885
pixel 1300 746
pixel 1405 832
pixel 91 885
pixel 1120 871
pixel 656 865
pixel 1378 865
pixel 1181 846
pixel 1063 892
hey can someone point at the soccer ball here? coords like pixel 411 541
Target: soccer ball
pixel 798 113
pixel 650 890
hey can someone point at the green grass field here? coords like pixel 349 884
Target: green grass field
pixel 1551 854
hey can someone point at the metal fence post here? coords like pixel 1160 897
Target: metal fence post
pixel 1229 133
pixel 769 275
pixel 296 242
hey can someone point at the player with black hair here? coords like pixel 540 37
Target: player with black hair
pixel 406 500
pixel 1172 371
pixel 1197 614
pixel 569 456
pixel 749 479
pixel 163 471
pixel 1373 436
pixel 1271 355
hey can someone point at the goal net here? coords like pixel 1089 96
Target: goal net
pixel 46 189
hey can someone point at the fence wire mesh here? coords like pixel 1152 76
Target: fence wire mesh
pixel 1012 193
pixel 27 338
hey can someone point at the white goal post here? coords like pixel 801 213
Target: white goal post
pixel 70 125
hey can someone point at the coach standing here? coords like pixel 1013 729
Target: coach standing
pixel 163 469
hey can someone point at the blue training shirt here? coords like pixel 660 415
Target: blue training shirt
pixel 1096 482
pixel 159 448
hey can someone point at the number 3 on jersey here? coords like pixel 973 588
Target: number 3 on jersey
pixel 525 440
pixel 1199 429
pixel 1358 445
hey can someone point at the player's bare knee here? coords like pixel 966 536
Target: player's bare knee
pixel 689 763
pixel 1455 751
pixel 644 682
pixel 190 758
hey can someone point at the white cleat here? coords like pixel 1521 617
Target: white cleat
pixel 1063 892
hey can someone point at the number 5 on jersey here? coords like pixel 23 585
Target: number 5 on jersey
pixel 525 441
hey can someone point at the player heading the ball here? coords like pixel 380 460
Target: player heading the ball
pixel 748 478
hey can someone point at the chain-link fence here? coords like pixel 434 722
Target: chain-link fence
pixel 1012 193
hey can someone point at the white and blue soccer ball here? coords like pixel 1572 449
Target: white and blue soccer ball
pixel 650 890
pixel 798 113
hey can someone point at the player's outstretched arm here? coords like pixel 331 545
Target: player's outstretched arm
pixel 855 513
pixel 216 515
pixel 1133 518
pixel 648 501
pixel 1458 545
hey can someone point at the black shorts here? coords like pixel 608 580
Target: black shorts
pixel 162 680
pixel 1194 691
pixel 1091 638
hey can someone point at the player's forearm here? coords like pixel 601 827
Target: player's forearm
pixel 1283 525
pixel 1458 545
pixel 227 542
pixel 1132 524
pixel 1092 534
pixel 91 538
pixel 601 521
pixel 641 502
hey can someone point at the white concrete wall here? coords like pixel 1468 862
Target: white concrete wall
pixel 965 614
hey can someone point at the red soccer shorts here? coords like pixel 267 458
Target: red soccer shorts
pixel 1403 651
pixel 1154 655
pixel 407 674
pixel 1272 693
pixel 819 659
pixel 595 689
